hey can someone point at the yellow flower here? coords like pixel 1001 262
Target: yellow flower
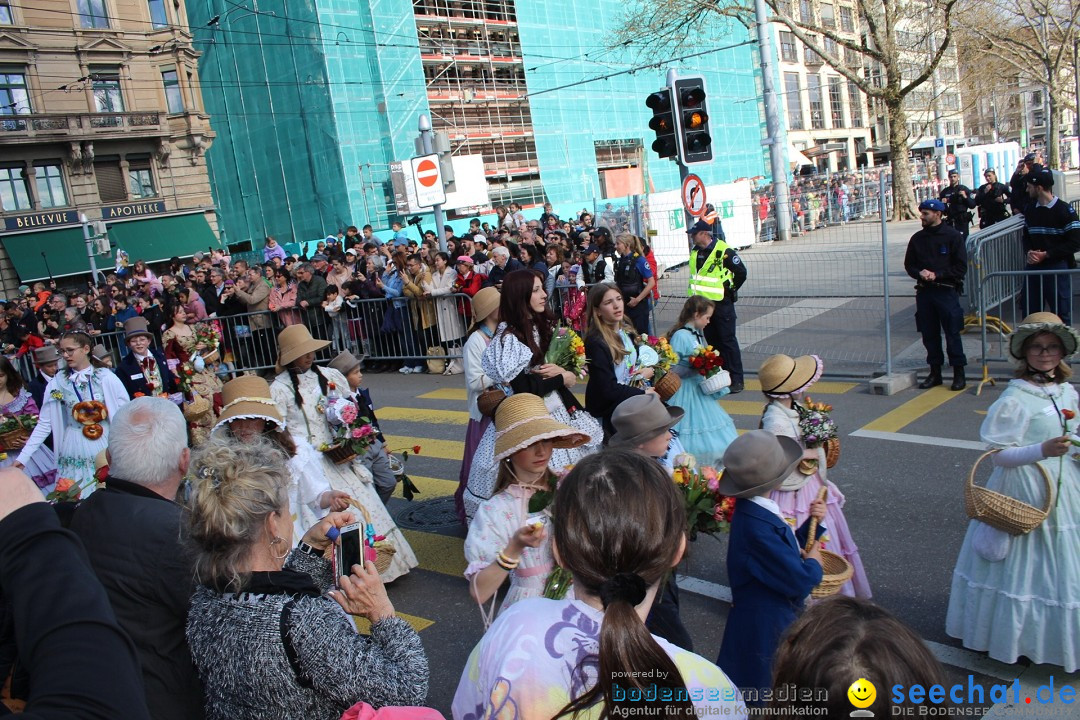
pixel 680 476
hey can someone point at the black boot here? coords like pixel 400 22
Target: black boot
pixel 933 379
pixel 959 382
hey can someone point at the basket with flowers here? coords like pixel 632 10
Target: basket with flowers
pixel 208 334
pixel 817 429
pixel 707 511
pixel 708 363
pixel 352 433
pixel 657 351
pixel 567 351
pixel 14 431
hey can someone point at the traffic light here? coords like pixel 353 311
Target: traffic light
pixel 663 123
pixel 695 140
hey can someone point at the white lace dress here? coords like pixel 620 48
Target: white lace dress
pixel 504 359
pixel 309 424
pixel 307 483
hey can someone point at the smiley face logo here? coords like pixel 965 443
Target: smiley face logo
pixel 862 693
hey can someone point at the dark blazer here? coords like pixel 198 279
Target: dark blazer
pixel 362 398
pixel 129 368
pixel 36 387
pixel 132 537
pixel 603 393
pixel 769 583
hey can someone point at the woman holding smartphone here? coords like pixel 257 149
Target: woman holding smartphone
pixel 311 661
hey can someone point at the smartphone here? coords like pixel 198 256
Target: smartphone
pixel 349 549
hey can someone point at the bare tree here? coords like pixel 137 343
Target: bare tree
pixel 1033 41
pixel 900 46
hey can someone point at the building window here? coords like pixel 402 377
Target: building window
pixel 806 11
pixel 158 17
pixel 817 110
pixel 788 53
pixel 950 102
pixel 952 128
pixel 50 186
pixel 836 102
pixel 812 57
pixel 828 18
pixel 855 103
pixel 174 99
pixel 14 99
pixel 794 101
pixel 5 13
pixel 110 180
pixel 829 46
pixel 92 14
pixel 847 20
pixel 14 191
pixel 107 95
pixel 140 178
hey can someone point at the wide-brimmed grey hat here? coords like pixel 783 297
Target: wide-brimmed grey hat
pixel 641 418
pixel 757 462
pixel 345 362
pixel 46 354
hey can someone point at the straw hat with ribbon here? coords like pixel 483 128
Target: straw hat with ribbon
pixel 640 418
pixel 757 462
pixel 248 397
pixel 485 302
pixel 1041 322
pixel 295 341
pixel 523 420
pixel 783 375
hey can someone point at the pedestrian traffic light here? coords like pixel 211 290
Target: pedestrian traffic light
pixel 695 140
pixel 663 123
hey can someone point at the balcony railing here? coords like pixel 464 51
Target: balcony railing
pixel 82 124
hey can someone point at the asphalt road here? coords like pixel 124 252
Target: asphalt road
pixel 902 474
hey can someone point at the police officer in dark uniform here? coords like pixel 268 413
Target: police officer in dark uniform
pixel 1018 198
pixel 720 332
pixel 992 199
pixel 959 200
pixel 937 260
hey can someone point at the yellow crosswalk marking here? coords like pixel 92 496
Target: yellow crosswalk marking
pixel 442 449
pixel 742 407
pixel 912 410
pixel 462 395
pixel 418 623
pixel 430 487
pixel 443 554
pixel 424 415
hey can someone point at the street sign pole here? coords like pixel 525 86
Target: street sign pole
pixel 425 137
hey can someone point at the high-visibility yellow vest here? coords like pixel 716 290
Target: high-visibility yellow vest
pixel 712 275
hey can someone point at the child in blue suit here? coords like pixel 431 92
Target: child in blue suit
pixel 770 574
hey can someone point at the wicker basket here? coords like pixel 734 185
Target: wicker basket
pixel 340 453
pixel 1001 511
pixel 668 384
pixel 384 553
pixel 832 452
pixel 836 570
pixel 14 439
pixel 716 383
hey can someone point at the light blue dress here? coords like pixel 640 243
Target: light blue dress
pixel 1027 602
pixel 706 430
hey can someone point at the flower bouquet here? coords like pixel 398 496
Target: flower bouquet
pixel 207 334
pixel 567 351
pixel 67 490
pixel 185 375
pixel 664 381
pixel 708 363
pixel 352 436
pixel 816 428
pixel 408 489
pixel 707 511
pixel 14 431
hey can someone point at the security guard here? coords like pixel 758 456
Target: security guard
pixel 1051 241
pixel 937 259
pixel 959 200
pixel 992 198
pixel 717 273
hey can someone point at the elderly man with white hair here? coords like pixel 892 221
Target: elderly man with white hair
pixel 131 532
pixel 502 264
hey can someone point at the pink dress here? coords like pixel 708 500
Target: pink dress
pixel 41 466
pixel 798 491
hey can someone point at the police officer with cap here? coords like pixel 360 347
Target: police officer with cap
pixel 1051 241
pixel 937 260
pixel 1018 195
pixel 959 200
pixel 992 200
pixel 717 273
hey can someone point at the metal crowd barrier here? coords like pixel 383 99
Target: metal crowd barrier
pixel 991 251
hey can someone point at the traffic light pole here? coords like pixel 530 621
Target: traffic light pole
pixel 777 160
pixel 440 220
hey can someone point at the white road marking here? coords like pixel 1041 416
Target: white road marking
pixel 779 320
pixel 920 439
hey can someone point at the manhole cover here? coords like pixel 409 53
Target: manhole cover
pixel 425 514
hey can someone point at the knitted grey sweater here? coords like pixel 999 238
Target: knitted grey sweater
pixel 236 643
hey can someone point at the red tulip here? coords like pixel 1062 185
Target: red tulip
pixel 415 449
pixel 1068 414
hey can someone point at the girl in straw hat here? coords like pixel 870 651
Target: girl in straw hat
pixel 784 380
pixel 1019 595
pixel 485 309
pixel 300 392
pixel 250 413
pixel 509 535
pixel 706 429
pixel 515 358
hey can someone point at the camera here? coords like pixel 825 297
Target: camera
pixel 414 220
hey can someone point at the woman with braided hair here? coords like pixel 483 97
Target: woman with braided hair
pixel 301 391
pixel 620 530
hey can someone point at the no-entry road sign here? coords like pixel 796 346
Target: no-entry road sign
pixel 429 185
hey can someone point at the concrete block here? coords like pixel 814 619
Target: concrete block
pixel 892 384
